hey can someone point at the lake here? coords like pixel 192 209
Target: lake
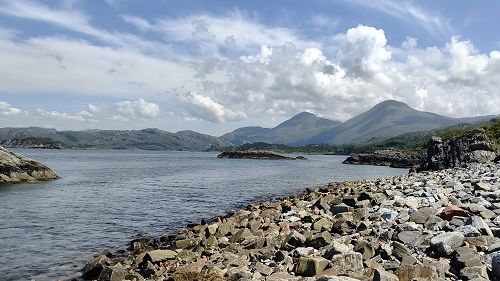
pixel 106 198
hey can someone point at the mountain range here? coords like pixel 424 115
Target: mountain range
pixel 147 139
pixel 386 119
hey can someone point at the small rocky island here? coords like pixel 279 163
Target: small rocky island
pixel 388 157
pixel 17 169
pixel 264 155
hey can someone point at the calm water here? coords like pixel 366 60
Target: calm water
pixel 106 198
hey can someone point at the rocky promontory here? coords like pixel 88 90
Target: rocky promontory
pixel 472 147
pixel 16 169
pixel 388 157
pixel 440 225
pixel 265 155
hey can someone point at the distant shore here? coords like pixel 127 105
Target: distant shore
pixel 397 228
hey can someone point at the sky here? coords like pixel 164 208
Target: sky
pixel 213 66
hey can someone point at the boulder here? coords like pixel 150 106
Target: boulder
pixel 310 266
pixel 113 273
pixel 445 243
pixel 382 275
pixel 160 255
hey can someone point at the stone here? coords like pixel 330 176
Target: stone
pixel 337 248
pixel 263 269
pixel 422 215
pixel 445 243
pixel 382 275
pixel 94 267
pixel 467 257
pixel 322 224
pixel 451 211
pixel 160 255
pixel 417 272
pixel 310 266
pixel 473 272
pixel 495 266
pixel 15 168
pixel 112 273
pixel 399 250
pixel 484 186
pixel 141 243
pixel 347 262
pixel 340 208
pixel 468 231
pixel 281 276
pixel 295 239
pixel 409 237
pixel 480 225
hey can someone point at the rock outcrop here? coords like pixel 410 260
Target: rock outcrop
pixel 265 155
pixel 16 169
pixel 388 157
pixel 441 225
pixel 472 147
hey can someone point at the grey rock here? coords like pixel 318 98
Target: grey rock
pixel 445 243
pixel 113 273
pixel 15 168
pixel 480 225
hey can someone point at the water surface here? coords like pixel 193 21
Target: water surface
pixel 106 198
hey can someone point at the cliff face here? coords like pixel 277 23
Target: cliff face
pixel 16 169
pixel 473 147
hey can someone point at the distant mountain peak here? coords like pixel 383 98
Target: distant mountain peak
pixel 392 103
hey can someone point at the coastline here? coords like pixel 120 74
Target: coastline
pixel 324 232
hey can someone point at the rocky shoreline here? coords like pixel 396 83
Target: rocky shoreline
pixel 17 169
pixel 440 225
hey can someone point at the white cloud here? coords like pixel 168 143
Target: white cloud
pixel 74 20
pixel 120 111
pixel 138 22
pixel 454 80
pixel 407 11
pixel 7 110
pixel 58 65
pixel 204 107
pixel 210 35
pixel 364 51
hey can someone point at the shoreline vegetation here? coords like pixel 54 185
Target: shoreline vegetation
pixel 442 224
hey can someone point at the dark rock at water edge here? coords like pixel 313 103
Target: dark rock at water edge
pixel 388 157
pixel 472 147
pixel 265 155
pixel 17 169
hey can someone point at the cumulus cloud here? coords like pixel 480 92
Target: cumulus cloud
pixel 454 80
pixel 204 107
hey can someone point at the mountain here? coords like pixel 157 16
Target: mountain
pixel 149 139
pixel 386 119
pixel 294 130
